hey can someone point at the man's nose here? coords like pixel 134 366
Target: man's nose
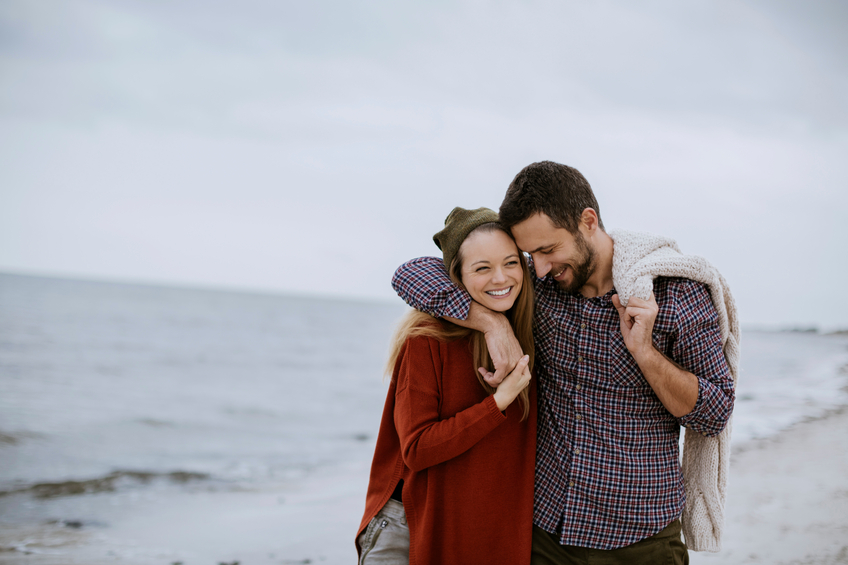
pixel 542 267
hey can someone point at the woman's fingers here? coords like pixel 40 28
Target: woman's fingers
pixel 521 365
pixel 521 374
pixel 513 384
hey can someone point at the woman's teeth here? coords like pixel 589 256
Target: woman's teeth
pixel 499 292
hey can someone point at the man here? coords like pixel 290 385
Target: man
pixel 616 380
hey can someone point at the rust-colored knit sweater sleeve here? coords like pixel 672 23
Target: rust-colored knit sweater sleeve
pixel 426 438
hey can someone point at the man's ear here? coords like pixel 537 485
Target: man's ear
pixel 589 219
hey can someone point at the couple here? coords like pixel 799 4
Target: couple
pixel 630 340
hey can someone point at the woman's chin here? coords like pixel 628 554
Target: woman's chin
pixel 496 305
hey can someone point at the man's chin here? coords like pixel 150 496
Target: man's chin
pixel 573 283
pixel 567 286
pixel 567 282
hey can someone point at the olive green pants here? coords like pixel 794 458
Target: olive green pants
pixel 663 548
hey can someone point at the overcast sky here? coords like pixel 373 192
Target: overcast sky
pixel 311 147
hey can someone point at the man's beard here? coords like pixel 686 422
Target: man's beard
pixel 583 268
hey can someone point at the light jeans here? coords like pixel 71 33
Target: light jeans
pixel 386 539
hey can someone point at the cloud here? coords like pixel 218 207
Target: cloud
pixel 313 146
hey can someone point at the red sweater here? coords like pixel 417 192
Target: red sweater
pixel 468 469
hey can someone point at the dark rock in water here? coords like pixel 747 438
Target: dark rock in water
pixel 104 484
pixel 156 423
pixel 185 476
pixel 7 439
pixel 802 330
pixel 15 439
pixel 75 524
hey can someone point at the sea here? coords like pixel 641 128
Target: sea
pixel 145 424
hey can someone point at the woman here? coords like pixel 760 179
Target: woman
pixel 452 475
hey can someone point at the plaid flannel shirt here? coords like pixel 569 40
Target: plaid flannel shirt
pixel 607 462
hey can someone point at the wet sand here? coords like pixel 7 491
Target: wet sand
pixel 788 498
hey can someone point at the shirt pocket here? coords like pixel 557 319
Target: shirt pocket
pixel 623 370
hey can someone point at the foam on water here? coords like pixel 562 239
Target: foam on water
pixel 787 377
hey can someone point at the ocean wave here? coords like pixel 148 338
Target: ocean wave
pixel 108 483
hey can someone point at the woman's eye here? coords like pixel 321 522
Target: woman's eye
pixel 547 251
pixel 481 269
pixel 512 263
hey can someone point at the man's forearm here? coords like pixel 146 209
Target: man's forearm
pixel 676 388
pixel 424 284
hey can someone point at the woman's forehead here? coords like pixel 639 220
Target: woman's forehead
pixel 494 243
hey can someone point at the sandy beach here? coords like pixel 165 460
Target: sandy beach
pixel 788 498
pixel 787 504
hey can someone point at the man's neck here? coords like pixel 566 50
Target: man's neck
pixel 600 282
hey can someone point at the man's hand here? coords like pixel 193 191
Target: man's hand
pixel 504 348
pixel 637 324
pixel 505 352
pixel 675 387
pixel 513 384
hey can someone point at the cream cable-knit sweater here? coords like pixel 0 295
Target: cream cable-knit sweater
pixel 638 258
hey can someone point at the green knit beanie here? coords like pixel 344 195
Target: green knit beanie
pixel 459 223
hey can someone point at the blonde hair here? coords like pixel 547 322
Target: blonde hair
pixel 520 317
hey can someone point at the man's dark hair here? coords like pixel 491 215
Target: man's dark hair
pixel 558 191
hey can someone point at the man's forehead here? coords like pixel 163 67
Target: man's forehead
pixel 538 221
pixel 537 232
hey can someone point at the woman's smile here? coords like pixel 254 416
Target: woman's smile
pixel 499 293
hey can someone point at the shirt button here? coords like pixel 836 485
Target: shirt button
pixel 578 387
pixel 577 452
pixel 571 483
pixel 579 359
pixel 582 326
pixel 579 417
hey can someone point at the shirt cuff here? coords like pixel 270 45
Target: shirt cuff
pixel 452 303
pixel 710 415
